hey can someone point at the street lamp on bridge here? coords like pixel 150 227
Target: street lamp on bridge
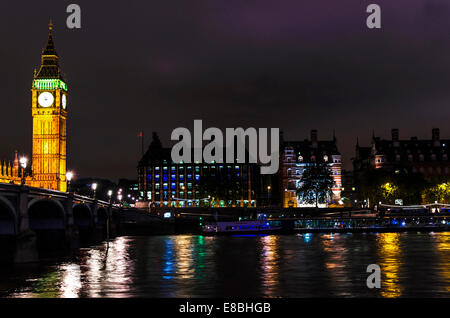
pixel 110 193
pixel 94 188
pixel 23 163
pixel 69 176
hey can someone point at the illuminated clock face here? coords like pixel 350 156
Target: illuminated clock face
pixel 63 101
pixel 45 99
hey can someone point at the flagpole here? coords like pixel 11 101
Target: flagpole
pixel 142 143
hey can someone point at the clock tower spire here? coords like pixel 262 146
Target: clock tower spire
pixel 49 111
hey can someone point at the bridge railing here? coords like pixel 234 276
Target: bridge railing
pixel 7 187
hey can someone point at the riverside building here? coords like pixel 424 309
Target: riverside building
pixel 163 182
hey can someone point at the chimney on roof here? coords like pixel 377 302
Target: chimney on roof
pixel 314 138
pixel 435 133
pixel 314 135
pixel 395 137
pixel 436 137
pixel 395 134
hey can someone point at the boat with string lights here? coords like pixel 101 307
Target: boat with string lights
pixel 242 227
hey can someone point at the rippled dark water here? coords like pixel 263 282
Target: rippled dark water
pixel 309 265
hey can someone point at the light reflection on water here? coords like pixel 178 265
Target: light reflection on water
pixel 307 265
pixel 390 262
pixel 270 265
pixel 443 247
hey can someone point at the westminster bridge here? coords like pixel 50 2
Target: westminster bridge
pixel 31 218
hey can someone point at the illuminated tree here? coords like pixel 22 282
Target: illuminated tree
pixel 387 186
pixel 438 192
pixel 316 184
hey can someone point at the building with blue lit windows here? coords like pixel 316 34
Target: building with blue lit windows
pixel 166 183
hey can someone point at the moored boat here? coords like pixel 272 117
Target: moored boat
pixel 241 227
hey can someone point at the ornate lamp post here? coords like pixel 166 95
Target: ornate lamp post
pixel 69 176
pixel 268 194
pixel 23 163
pixel 94 188
pixel 110 192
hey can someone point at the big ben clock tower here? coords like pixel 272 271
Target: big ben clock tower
pixel 49 110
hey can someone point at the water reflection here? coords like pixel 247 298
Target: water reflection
pixel 108 269
pixel 443 246
pixel 183 264
pixel 390 263
pixel 168 257
pixel 258 266
pixel 183 257
pixel 71 281
pixel 270 265
pixel 336 262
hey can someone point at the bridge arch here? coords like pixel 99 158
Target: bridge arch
pixel 8 217
pixel 82 215
pixel 47 218
pixel 46 214
pixel 102 215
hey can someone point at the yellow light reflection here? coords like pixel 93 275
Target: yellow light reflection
pixel 184 259
pixel 390 262
pixel 443 246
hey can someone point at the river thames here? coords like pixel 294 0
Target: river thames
pixel 306 265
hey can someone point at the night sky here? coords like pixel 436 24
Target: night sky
pixel 157 65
